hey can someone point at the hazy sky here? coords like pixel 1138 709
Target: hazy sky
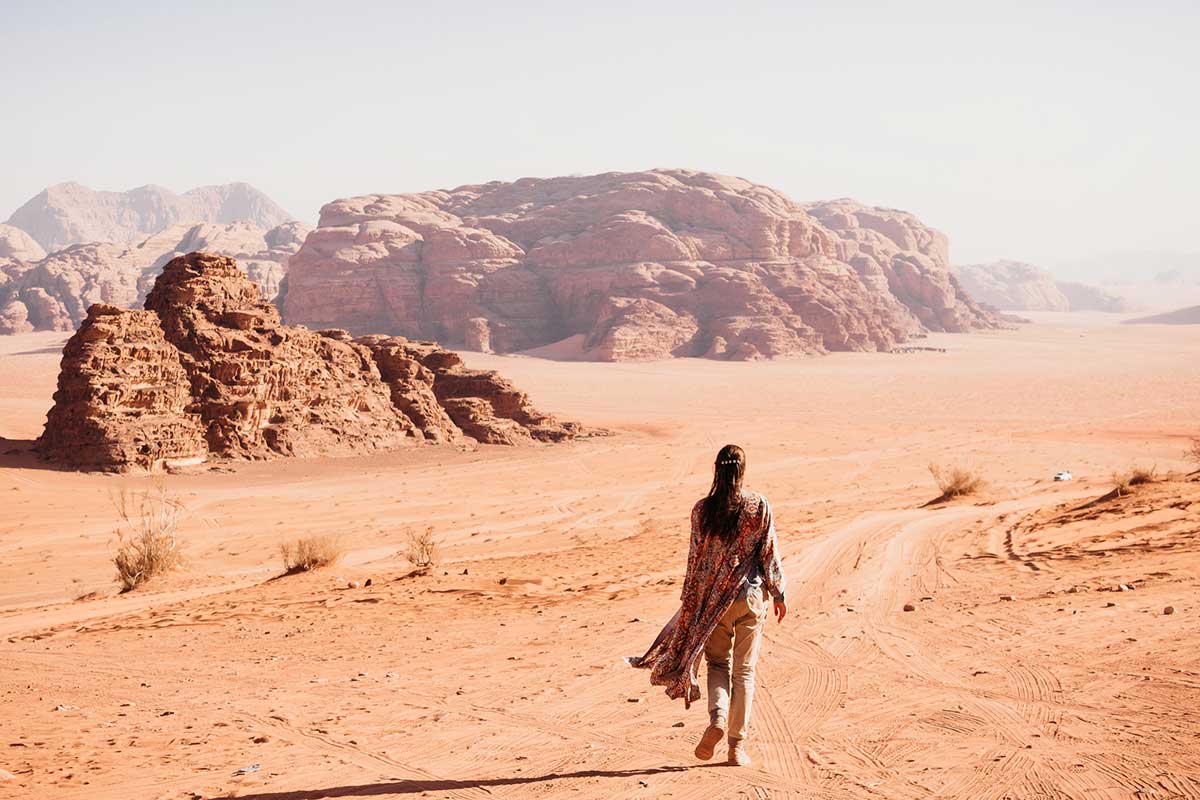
pixel 1046 132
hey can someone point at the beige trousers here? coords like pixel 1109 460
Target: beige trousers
pixel 731 653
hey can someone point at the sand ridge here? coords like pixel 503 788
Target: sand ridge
pixel 499 675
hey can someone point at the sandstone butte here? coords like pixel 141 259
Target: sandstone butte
pixel 622 266
pixel 53 292
pixel 207 370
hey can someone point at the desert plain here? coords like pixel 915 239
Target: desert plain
pixel 1037 660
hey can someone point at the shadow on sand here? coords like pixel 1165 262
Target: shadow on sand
pixel 19 454
pixel 416 787
pixel 42 351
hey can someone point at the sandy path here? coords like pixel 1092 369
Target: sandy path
pixel 459 685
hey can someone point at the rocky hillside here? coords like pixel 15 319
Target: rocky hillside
pixel 1016 286
pixel 54 292
pixel 69 213
pixel 627 266
pixel 209 371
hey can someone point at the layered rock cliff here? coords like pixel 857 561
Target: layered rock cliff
pixel 208 370
pixel 638 265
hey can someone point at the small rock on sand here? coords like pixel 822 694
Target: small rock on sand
pixel 909 607
pixel 1169 610
pixel 634 699
pixel 677 725
pixel 1007 597
pixel 352 585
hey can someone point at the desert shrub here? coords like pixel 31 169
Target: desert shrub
pixel 310 553
pixel 1124 481
pixel 955 481
pixel 422 551
pixel 148 542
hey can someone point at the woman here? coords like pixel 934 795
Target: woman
pixel 733 565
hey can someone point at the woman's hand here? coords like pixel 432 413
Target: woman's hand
pixel 780 609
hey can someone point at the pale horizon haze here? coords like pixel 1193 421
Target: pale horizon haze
pixel 1045 133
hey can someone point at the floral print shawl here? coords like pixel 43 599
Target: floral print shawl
pixel 715 576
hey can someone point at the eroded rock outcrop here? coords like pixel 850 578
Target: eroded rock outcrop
pixel 208 370
pixel 636 265
pixel 261 389
pixel 122 397
pixel 445 399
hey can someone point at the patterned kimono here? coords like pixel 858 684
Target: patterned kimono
pixel 716 573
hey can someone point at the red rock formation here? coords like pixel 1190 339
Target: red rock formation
pixel 640 265
pixel 411 386
pixel 209 370
pixel 442 396
pixel 122 397
pixel 261 389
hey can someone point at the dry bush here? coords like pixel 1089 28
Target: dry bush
pixel 955 481
pixel 423 551
pixel 310 553
pixel 1124 481
pixel 148 542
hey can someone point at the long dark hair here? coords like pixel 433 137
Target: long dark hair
pixel 721 508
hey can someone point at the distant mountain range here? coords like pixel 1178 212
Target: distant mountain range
pixel 1016 286
pixel 1147 278
pixel 71 246
pixel 69 213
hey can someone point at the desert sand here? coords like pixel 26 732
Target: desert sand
pixel 1023 671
